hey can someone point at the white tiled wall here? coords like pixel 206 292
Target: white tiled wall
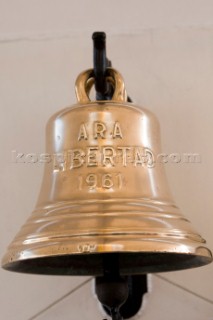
pixel 164 49
pixel 163 302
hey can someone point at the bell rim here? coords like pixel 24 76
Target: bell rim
pixel 164 256
pixel 144 262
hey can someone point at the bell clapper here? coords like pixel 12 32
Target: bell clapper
pixel 112 289
pixel 112 294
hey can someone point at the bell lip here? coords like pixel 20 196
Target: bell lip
pixel 88 264
pixel 135 245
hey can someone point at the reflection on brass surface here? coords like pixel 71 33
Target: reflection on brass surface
pixel 103 194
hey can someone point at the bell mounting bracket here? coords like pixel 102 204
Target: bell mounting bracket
pixel 100 65
pixel 121 296
pixel 104 90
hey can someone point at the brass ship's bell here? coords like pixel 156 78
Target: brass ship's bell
pixel 104 195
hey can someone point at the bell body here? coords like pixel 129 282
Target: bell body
pixel 104 194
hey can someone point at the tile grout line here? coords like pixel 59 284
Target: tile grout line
pixel 59 300
pixel 85 282
pixel 68 34
pixel 185 289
